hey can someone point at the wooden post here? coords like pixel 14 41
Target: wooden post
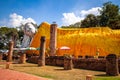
pixel 112 65
pixel 10 53
pixel 41 60
pixel 53 39
pixel 22 58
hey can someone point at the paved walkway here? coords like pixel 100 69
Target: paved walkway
pixel 6 74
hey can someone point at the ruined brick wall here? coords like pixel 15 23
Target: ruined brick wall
pixel 52 60
pixel 82 63
pixel 90 64
pixel 119 64
pixel 33 59
pixel 55 61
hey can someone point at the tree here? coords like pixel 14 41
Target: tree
pixel 3 37
pixel 13 35
pixel 110 15
pixel 90 21
pixel 7 34
pixel 20 33
pixel 76 25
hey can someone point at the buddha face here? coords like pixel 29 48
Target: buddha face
pixel 29 29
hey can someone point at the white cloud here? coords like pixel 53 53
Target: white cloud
pixel 71 18
pixel 94 11
pixel 16 20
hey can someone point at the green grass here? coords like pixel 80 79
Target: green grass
pixel 107 78
pixel 44 75
pixel 58 73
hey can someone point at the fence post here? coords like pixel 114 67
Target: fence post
pixel 41 59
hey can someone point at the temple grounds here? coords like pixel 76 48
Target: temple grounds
pixel 58 73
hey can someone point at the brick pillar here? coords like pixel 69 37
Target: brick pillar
pixel 112 65
pixel 1 55
pixel 53 39
pixel 7 65
pixel 22 58
pixel 10 53
pixel 89 77
pixel 41 59
pixel 68 65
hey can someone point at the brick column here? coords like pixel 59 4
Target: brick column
pixel 41 59
pixel 10 53
pixel 112 65
pixel 89 77
pixel 68 65
pixel 53 39
pixel 22 58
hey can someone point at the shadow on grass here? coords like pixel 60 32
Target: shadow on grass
pixel 102 75
pixel 25 65
pixel 60 69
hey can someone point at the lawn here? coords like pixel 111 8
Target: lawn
pixel 107 78
pixel 58 73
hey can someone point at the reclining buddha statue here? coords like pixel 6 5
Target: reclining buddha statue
pixel 29 31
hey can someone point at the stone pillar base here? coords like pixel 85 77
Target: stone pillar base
pixel 41 63
pixel 89 77
pixel 1 57
pixel 112 68
pixel 68 65
pixel 22 58
pixel 7 66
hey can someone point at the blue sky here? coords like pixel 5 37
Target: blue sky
pixel 64 12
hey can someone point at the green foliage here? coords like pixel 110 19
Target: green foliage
pixel 3 30
pixel 76 25
pixel 20 33
pixel 7 34
pixel 110 16
pixel 107 78
pixel 12 33
pixel 1 45
pixel 90 21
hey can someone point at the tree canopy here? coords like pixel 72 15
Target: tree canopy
pixel 109 17
pixel 90 21
pixel 7 34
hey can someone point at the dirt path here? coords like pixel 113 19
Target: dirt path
pixel 6 74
